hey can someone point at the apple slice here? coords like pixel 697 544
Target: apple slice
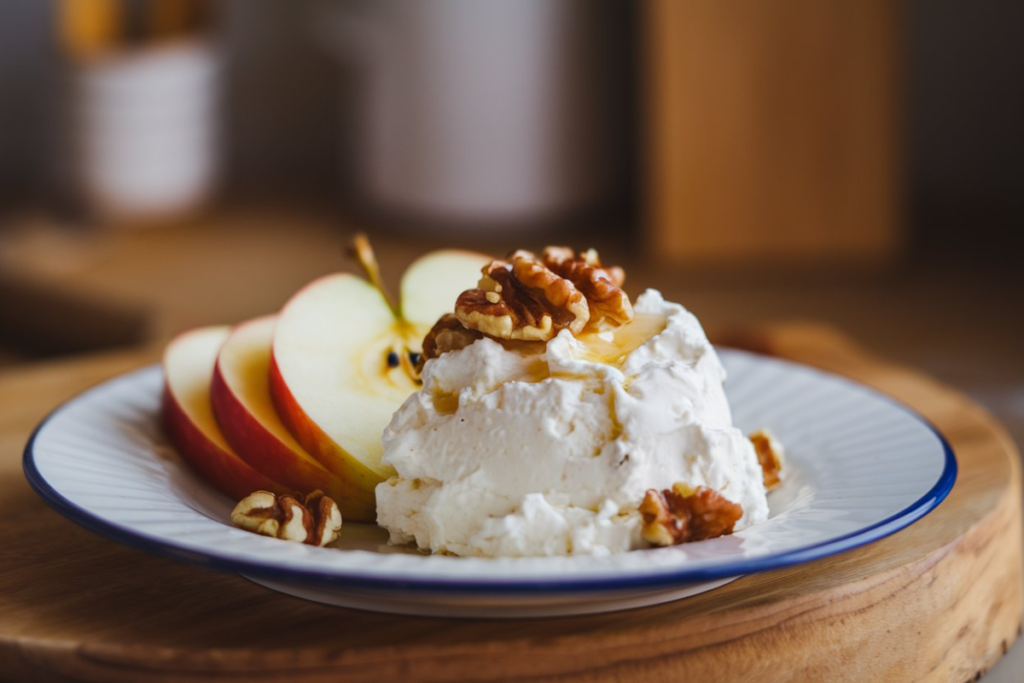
pixel 330 377
pixel 189 420
pixel 434 281
pixel 240 394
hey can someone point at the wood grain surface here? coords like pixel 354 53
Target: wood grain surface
pixel 773 131
pixel 938 601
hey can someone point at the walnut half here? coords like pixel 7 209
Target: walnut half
pixel 314 521
pixel 681 515
pixel 522 299
pixel 602 287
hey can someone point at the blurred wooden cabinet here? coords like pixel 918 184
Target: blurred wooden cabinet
pixel 773 130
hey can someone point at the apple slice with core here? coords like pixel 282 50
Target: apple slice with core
pixel 335 375
pixel 240 394
pixel 188 415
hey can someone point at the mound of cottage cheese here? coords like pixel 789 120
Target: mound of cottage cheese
pixel 548 449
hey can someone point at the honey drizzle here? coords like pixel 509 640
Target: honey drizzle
pixel 623 339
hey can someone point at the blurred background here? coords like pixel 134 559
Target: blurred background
pixel 170 163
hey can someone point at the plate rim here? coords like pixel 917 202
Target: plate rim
pixel 358 579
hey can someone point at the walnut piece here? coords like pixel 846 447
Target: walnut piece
pixel 602 287
pixel 258 512
pixel 522 299
pixel 314 521
pixel 771 455
pixel 326 518
pixel 681 515
pixel 447 334
pixel 529 298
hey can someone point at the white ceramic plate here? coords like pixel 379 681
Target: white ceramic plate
pixel 860 467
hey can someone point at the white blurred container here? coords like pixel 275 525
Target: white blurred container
pixel 479 111
pixel 144 130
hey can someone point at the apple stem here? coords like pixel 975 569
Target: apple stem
pixel 363 253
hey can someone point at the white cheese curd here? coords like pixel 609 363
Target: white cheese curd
pixel 533 449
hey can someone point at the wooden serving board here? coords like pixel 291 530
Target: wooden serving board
pixel 938 601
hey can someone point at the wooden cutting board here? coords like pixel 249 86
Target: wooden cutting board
pixel 938 601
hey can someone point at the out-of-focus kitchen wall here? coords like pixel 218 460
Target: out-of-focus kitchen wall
pixel 965 126
pixel 511 112
pixel 285 111
pixel 827 132
pixel 453 113
pixel 25 39
pixel 294 105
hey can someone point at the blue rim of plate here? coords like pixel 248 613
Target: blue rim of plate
pixel 671 577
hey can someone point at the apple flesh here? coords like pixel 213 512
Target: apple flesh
pixel 240 394
pixel 434 281
pixel 330 378
pixel 189 420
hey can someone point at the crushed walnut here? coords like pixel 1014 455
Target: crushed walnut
pixel 681 514
pixel 529 298
pixel 316 520
pixel 770 454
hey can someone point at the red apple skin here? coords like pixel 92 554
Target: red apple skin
pixel 266 453
pixel 225 471
pixel 306 432
pixel 316 442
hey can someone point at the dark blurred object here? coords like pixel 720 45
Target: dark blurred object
pixel 483 113
pixel 38 319
pixel 25 40
pixel 965 129
pixel 140 107
pixel 774 131
pixel 46 306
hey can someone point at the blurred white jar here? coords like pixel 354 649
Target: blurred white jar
pixel 144 130
pixel 481 111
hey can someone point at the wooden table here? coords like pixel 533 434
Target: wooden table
pixel 939 601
